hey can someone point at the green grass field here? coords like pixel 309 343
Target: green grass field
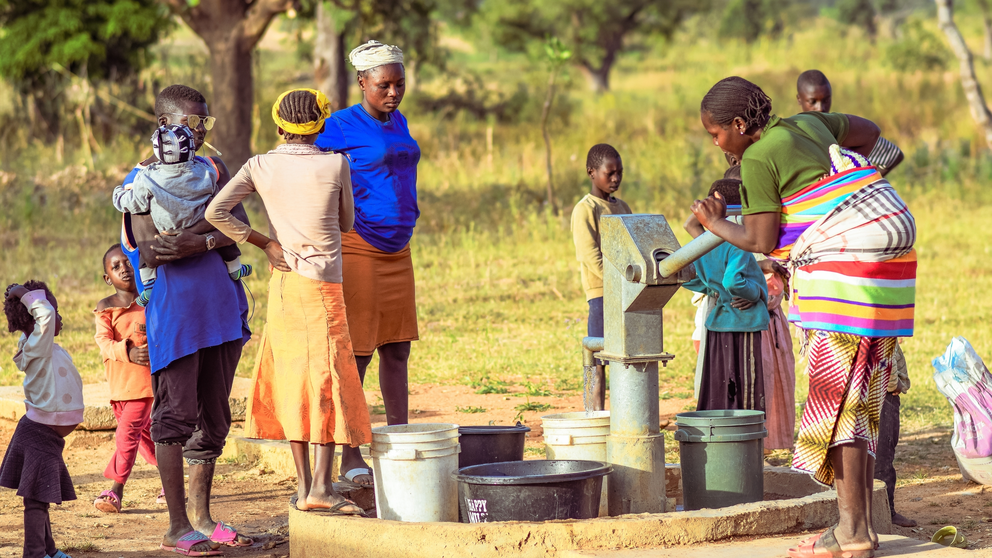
pixel 498 289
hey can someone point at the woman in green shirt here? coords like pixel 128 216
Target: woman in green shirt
pixel 848 239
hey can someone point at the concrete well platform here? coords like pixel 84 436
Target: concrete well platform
pixel 776 547
pixel 98 415
pixel 807 506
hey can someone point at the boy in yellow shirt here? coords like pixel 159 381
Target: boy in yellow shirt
pixel 605 170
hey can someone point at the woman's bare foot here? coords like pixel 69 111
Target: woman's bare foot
pixel 302 493
pixel 902 521
pixel 327 501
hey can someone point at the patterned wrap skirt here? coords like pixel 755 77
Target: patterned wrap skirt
pixel 34 466
pixel 848 377
pixel 306 386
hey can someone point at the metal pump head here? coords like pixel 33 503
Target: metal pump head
pixel 635 291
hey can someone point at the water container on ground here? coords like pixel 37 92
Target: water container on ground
pixel 578 436
pixel 531 490
pixel 722 457
pixel 491 444
pixel 412 465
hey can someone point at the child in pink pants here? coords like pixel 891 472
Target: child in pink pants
pixel 120 333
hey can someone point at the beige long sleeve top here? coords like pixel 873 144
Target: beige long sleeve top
pixel 585 234
pixel 307 195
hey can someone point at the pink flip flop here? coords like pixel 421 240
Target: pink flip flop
pixel 225 534
pixel 161 498
pixel 108 502
pixel 186 542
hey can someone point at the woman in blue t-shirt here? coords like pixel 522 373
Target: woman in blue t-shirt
pixel 378 270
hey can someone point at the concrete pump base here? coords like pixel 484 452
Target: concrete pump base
pixel 805 506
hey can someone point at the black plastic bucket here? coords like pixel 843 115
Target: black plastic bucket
pixel 531 490
pixel 491 444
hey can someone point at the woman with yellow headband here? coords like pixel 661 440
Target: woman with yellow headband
pixel 378 268
pixel 306 387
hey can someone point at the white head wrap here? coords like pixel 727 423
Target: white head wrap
pixel 374 54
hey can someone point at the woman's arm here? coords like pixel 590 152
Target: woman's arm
pixel 862 135
pixel 346 203
pixel 758 234
pixel 219 215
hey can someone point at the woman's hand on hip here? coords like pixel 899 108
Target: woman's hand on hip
pixel 273 250
pixel 710 210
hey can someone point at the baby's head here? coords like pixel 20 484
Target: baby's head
pixel 18 317
pixel 117 271
pixel 730 190
pixel 174 143
pixel 605 169
pixel 813 92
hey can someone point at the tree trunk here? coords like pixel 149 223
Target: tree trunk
pixel 987 20
pixel 545 113
pixel 972 90
pixel 233 96
pixel 597 78
pixel 231 29
pixel 330 68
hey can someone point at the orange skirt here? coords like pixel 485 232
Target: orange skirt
pixel 306 386
pixel 379 293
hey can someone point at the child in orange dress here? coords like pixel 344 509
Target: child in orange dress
pixel 120 333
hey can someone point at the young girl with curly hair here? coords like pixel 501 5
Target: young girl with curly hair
pixel 53 395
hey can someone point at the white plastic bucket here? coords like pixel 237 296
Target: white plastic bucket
pixel 413 465
pixel 579 436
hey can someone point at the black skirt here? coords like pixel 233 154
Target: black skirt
pixel 732 372
pixel 34 466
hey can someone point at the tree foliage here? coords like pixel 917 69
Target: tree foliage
pixel 751 19
pixel 105 39
pixel 595 30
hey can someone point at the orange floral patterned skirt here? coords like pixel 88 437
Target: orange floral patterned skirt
pixel 306 385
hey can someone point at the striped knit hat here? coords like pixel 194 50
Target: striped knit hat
pixel 174 144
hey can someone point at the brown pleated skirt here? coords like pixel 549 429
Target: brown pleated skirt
pixel 379 293
pixel 306 386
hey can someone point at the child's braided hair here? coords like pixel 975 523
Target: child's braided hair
pixel 18 317
pixel 735 97
pixel 299 107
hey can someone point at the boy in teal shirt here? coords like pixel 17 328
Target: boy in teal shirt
pixel 732 374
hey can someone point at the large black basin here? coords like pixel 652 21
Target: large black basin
pixel 530 490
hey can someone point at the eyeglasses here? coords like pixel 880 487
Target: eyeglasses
pixel 193 120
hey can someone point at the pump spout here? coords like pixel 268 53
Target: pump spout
pixel 590 382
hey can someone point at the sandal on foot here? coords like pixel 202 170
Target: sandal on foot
pixel 336 509
pixel 108 502
pixel 186 543
pixel 161 497
pixel 349 477
pixel 227 535
pixel 829 547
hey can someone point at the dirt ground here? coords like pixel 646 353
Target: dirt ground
pixel 930 489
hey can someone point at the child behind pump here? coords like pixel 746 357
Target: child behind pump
pixel 731 369
pixel 605 170
pixel 175 190
pixel 120 333
pixel 53 396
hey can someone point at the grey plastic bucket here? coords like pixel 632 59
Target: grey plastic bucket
pixel 722 457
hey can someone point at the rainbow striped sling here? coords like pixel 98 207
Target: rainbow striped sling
pixel 849 239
